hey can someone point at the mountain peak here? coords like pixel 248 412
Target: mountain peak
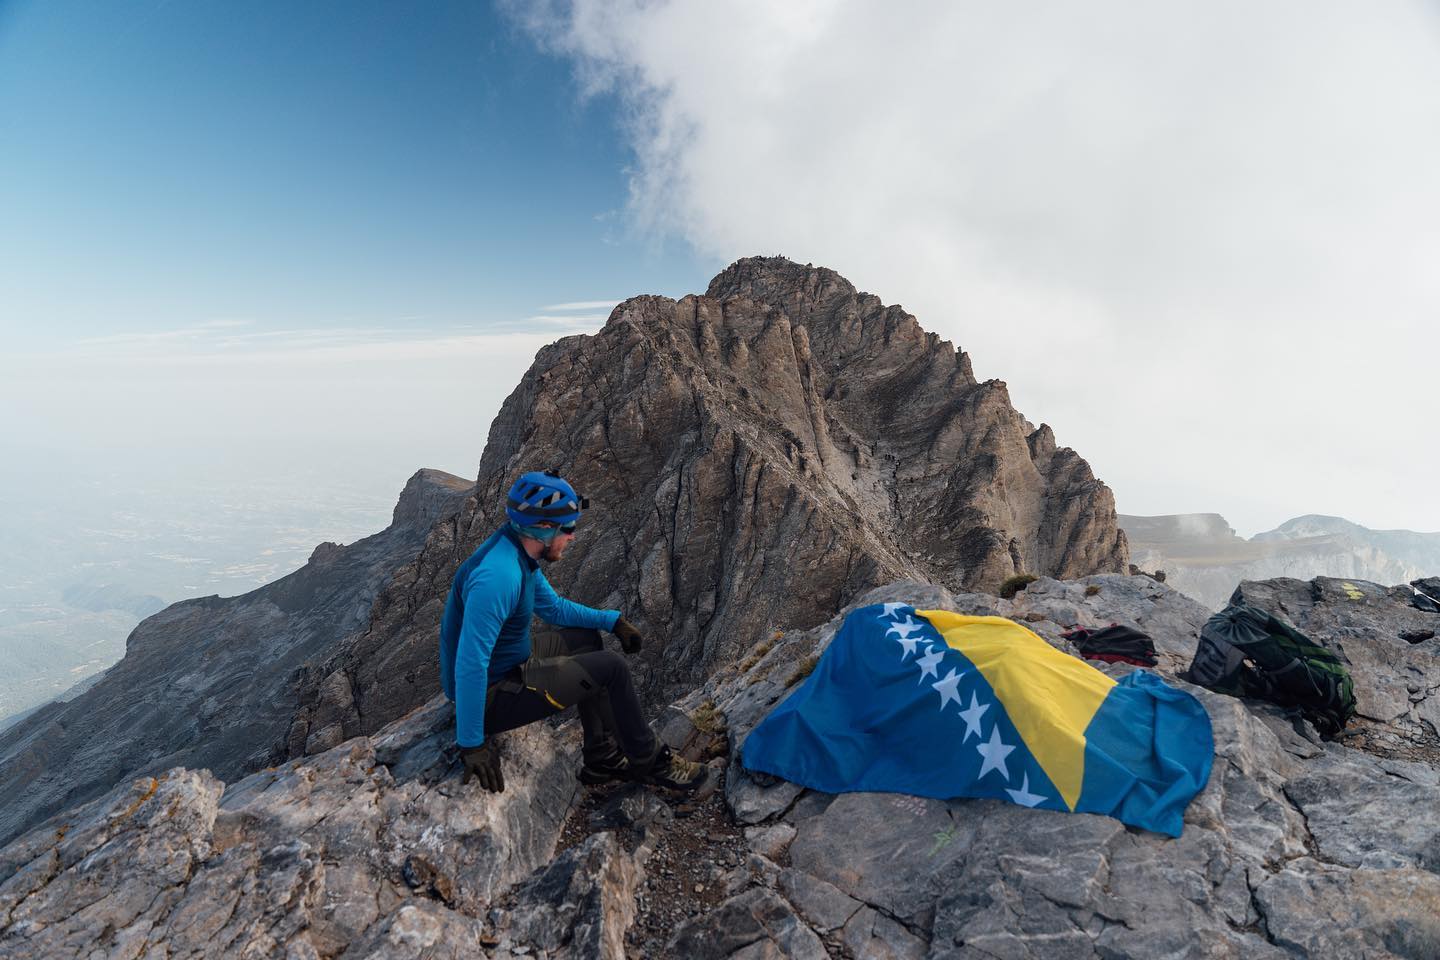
pixel 427 494
pixel 767 278
pixel 754 457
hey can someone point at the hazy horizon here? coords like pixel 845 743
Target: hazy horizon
pixel 275 246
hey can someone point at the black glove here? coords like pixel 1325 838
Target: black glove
pixel 483 763
pixel 630 639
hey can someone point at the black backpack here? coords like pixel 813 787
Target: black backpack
pixel 1114 644
pixel 1246 652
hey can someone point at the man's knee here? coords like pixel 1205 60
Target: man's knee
pixel 606 667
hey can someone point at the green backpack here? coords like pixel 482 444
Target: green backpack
pixel 1247 652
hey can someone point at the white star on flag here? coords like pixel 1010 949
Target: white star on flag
pixel 909 643
pixel 933 656
pixel 947 689
pixel 905 627
pixel 893 608
pixel 1023 796
pixel 972 717
pixel 994 753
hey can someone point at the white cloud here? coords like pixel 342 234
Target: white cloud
pixel 583 305
pixel 1197 239
pixel 586 321
pixel 214 343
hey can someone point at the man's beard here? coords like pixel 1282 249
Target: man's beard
pixel 551 553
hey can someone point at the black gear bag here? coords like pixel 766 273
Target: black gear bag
pixel 1246 652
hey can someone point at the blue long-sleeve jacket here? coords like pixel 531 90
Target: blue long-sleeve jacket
pixel 485 632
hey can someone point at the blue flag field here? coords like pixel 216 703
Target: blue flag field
pixel 939 704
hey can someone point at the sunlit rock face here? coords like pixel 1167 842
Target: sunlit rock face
pixel 754 456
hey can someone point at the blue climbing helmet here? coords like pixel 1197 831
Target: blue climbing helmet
pixel 543 496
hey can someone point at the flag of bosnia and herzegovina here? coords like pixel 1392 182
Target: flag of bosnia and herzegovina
pixel 939 704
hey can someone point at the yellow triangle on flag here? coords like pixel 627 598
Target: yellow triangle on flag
pixel 1049 696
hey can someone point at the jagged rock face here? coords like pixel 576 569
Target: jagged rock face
pixel 755 456
pixel 374 845
pixel 1295 848
pixel 209 682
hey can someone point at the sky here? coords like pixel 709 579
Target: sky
pixel 1197 239
pixel 320 238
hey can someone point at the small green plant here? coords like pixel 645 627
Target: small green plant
pixel 802 670
pixel 1013 585
pixel 943 839
pixel 1092 589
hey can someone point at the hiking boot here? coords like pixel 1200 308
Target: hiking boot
pixel 607 768
pixel 674 772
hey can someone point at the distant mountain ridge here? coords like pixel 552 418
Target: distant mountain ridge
pixel 108 596
pixel 1204 558
pixel 208 682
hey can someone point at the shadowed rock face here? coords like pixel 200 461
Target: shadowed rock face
pixel 209 682
pixel 754 456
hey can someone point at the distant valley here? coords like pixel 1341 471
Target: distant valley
pixel 82 562
pixel 1204 558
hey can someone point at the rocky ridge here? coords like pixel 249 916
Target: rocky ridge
pixel 1296 847
pixel 755 457
pixel 1203 557
pixel 208 683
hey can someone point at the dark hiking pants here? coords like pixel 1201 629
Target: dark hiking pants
pixel 567 668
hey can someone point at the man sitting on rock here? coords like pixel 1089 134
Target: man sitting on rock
pixel 498 683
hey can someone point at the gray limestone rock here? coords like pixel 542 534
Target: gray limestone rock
pixel 580 905
pixel 309 859
pixel 631 806
pixel 886 850
pixel 755 457
pixel 757 870
pixel 770 841
pixel 822 905
pixel 210 682
pixel 1296 847
pixel 1314 910
pixel 752 801
pixel 873 936
pixel 420 930
pixel 1365 814
pixel 752 925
